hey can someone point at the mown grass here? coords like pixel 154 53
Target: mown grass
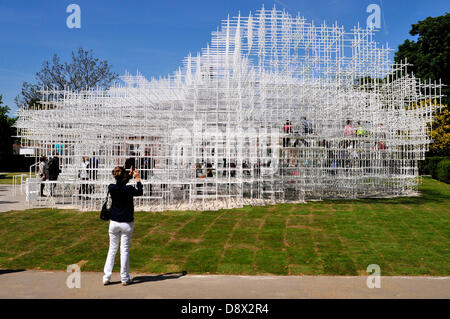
pixel 405 236
pixel 7 178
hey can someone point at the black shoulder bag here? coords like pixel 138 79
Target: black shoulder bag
pixel 105 213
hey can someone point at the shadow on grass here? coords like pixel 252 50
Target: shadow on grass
pixel 9 271
pixel 160 277
pixel 427 194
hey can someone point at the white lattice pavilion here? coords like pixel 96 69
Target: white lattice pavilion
pixel 213 134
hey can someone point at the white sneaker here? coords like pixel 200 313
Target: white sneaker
pixel 106 282
pixel 125 283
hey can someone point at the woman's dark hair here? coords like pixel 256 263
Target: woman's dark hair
pixel 121 175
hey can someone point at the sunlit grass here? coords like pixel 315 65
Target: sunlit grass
pixel 7 178
pixel 405 236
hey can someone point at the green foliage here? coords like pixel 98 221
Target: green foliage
pixel 430 54
pixel 438 167
pixel 83 71
pixel 442 171
pixel 430 59
pixel 429 164
pixel 8 161
pixel 441 133
pixel 7 131
pixel 4 118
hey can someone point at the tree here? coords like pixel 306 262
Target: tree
pixel 430 54
pixel 7 131
pixel 10 162
pixel 83 71
pixel 430 59
pixel 441 134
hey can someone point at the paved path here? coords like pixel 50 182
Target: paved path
pixel 10 200
pixel 52 284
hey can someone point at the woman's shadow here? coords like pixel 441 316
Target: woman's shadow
pixel 165 276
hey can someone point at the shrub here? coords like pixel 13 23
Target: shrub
pixel 428 166
pixel 442 171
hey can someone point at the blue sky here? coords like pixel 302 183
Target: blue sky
pixel 154 36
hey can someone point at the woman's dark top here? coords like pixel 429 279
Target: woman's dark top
pixel 122 208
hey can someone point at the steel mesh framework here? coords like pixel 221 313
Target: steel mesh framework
pixel 275 109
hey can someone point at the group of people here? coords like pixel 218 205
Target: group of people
pixel 199 171
pixel 349 130
pixel 229 169
pixel 306 127
pixel 48 170
pixel 359 131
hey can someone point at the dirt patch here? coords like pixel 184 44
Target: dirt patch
pixel 190 240
pixel 304 227
pixel 20 255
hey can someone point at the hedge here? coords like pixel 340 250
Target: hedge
pixel 428 166
pixel 442 171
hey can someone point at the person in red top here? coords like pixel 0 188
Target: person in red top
pixel 348 129
pixel 287 130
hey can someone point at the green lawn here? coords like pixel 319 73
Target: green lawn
pixel 405 236
pixel 7 178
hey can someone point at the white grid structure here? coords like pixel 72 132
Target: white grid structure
pixel 275 109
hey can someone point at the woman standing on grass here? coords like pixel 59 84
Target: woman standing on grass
pixel 122 222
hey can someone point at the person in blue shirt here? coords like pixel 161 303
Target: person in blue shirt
pixel 59 148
